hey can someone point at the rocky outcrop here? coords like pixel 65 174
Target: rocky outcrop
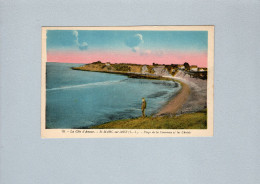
pixel 145 70
pixel 161 71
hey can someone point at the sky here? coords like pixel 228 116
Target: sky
pixel 140 47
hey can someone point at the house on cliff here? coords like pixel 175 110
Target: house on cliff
pixel 181 67
pixel 202 69
pixel 194 68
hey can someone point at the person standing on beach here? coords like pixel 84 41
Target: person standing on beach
pixel 143 107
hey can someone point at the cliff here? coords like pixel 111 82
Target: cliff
pixel 132 70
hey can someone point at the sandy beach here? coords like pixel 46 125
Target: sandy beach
pixel 191 98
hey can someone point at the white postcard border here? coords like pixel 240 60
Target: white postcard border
pixel 128 133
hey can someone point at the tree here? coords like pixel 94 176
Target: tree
pixel 174 66
pixel 97 62
pixel 187 66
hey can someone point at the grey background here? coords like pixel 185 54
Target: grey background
pixel 231 156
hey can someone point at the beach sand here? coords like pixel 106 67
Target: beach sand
pixel 191 98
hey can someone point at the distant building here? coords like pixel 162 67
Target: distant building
pixel 181 67
pixel 107 63
pixel 194 68
pixel 202 69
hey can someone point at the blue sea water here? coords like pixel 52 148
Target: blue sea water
pixel 81 99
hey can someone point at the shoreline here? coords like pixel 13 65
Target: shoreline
pixel 176 102
pixel 129 74
pixel 191 97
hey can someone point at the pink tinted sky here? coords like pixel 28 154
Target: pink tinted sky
pixel 198 58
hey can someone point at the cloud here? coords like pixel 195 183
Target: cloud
pixel 81 46
pixel 134 41
pixel 76 34
pixel 160 52
pixel 145 52
pixel 135 49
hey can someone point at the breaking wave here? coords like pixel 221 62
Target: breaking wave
pixel 86 85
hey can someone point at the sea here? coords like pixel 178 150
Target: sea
pixel 82 99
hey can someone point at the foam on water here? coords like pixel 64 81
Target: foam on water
pixel 86 85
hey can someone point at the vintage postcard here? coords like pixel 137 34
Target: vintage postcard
pixel 139 81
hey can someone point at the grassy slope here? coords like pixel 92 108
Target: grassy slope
pixel 196 120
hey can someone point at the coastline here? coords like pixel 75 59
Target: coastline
pixel 191 98
pixel 176 102
pixel 186 110
pixel 129 74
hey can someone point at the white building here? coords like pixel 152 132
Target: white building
pixel 181 67
pixel 193 68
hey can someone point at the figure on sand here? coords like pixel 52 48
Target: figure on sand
pixel 143 107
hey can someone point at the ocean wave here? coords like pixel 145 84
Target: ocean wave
pixel 157 94
pixel 86 85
